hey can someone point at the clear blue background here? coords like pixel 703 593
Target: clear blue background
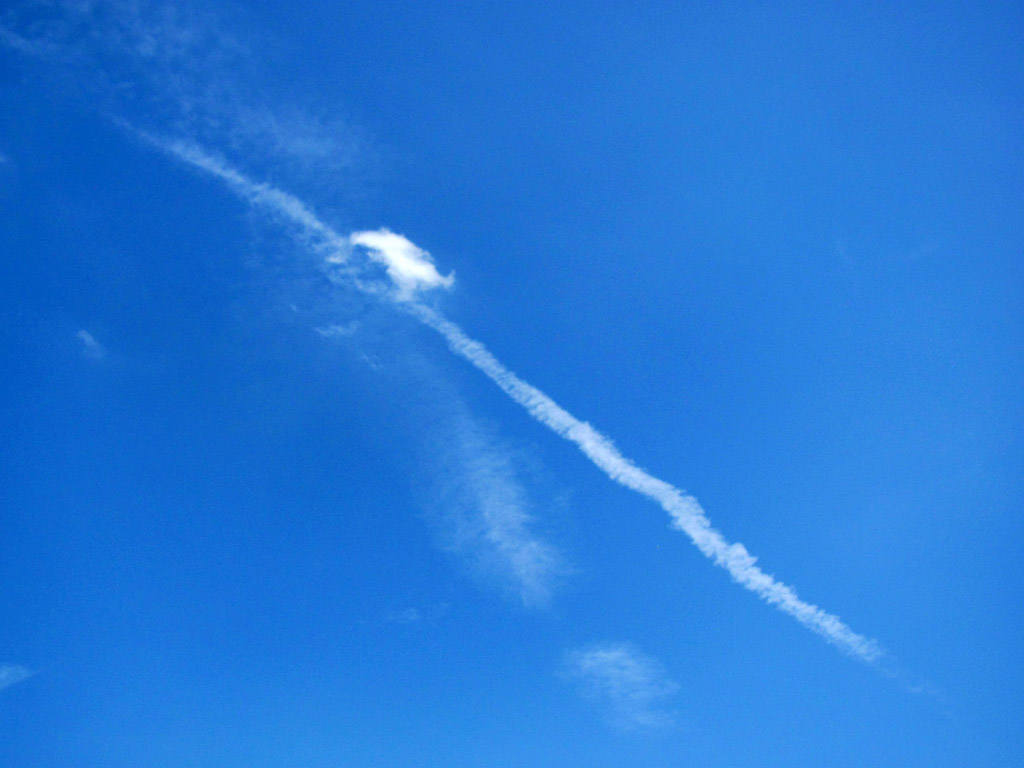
pixel 776 254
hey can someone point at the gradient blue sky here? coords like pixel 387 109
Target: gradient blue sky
pixel 253 513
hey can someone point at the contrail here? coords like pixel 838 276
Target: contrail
pixel 687 514
pixel 319 236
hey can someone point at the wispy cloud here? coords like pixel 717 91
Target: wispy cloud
pixel 403 616
pixel 23 45
pixel 487 517
pixel 483 513
pixel 287 207
pixel 685 512
pixel 337 329
pixel 629 685
pixel 90 347
pixel 12 674
pixel 178 65
pixel 409 268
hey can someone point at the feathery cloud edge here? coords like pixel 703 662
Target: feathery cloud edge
pixel 625 681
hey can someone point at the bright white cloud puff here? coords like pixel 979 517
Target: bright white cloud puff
pixel 410 267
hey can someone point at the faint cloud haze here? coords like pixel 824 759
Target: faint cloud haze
pixel 335 330
pixel 186 69
pixel 12 674
pixel 315 234
pixel 403 616
pixel 413 615
pixel 484 515
pixel 90 347
pixel 627 684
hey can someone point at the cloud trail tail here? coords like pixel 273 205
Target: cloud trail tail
pixel 686 513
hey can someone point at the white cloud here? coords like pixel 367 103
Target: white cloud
pixel 686 513
pixel 12 674
pixel 410 267
pixel 179 64
pixel 484 514
pixel 497 534
pixel 413 266
pixel 90 347
pixel 627 683
pixel 316 234
pixel 334 330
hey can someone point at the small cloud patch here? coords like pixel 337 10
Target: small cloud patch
pixel 485 515
pixel 12 674
pixel 403 616
pixel 410 267
pixel 330 331
pixel 90 347
pixel 628 684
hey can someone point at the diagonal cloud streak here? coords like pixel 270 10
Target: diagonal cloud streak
pixel 500 538
pixel 686 513
pixel 319 236
pixel 484 513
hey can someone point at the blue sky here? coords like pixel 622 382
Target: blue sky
pixel 263 504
